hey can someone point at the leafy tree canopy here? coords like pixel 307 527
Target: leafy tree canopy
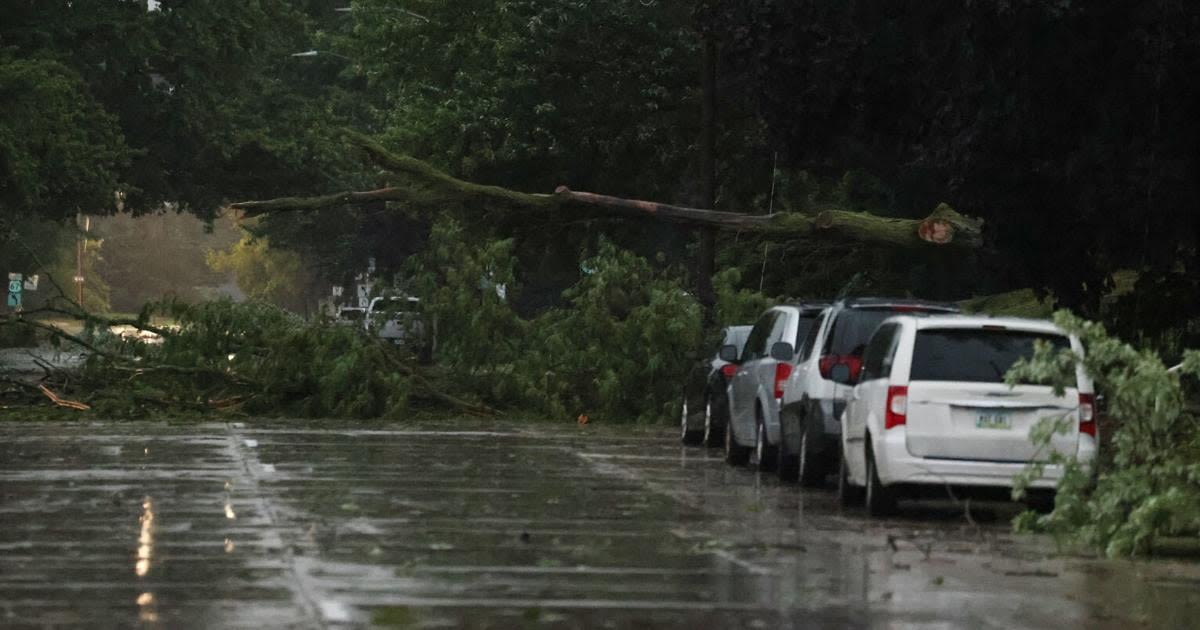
pixel 1070 127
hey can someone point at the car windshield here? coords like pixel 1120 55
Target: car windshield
pixel 397 305
pixel 974 355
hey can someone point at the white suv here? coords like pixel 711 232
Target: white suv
pixel 931 408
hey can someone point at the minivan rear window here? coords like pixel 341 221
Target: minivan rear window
pixel 973 355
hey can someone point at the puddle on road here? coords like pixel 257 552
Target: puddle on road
pixel 241 527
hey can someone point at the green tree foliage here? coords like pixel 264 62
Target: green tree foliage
pixel 267 274
pixel 1148 487
pixel 59 149
pixel 190 104
pixel 253 356
pixel 613 351
pixel 531 94
pixel 1069 127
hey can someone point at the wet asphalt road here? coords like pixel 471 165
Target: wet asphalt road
pixel 264 526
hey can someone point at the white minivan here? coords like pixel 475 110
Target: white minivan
pixel 931 408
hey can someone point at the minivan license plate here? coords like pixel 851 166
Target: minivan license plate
pixel 993 420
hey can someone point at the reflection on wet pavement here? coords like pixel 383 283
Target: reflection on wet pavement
pixel 267 526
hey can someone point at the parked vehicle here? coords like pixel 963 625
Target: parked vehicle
pixel 705 406
pixel 399 320
pixel 931 408
pixel 350 316
pixel 765 363
pixel 812 402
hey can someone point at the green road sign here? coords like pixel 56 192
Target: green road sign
pixel 14 286
pixel 14 300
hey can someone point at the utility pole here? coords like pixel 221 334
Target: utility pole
pixel 79 247
pixel 706 252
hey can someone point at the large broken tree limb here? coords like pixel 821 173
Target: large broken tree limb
pixel 425 185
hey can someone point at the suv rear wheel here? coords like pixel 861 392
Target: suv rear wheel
pixel 686 434
pixel 764 453
pixel 809 465
pixel 712 436
pixel 786 465
pixel 735 454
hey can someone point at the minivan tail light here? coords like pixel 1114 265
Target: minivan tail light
pixel 782 371
pixel 1087 414
pixel 897 407
pixel 729 370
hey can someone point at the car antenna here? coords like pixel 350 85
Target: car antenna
pixel 850 285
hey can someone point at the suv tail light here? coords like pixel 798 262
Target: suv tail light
pixel 1087 414
pixel 782 371
pixel 825 365
pixel 897 407
pixel 729 370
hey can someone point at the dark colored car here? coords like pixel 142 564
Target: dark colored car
pixel 705 402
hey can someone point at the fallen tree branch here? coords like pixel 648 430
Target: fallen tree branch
pixel 434 393
pixel 425 185
pixel 62 402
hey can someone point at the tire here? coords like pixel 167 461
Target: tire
pixel 880 500
pixel 713 435
pixel 1040 501
pixel 786 465
pixel 848 495
pixel 688 435
pixel 735 454
pixel 809 465
pixel 764 453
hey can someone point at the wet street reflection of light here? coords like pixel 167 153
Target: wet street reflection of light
pixel 146 607
pixel 147 611
pixel 145 539
pixel 229 546
pixel 229 513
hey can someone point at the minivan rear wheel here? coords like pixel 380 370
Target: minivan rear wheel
pixel 848 494
pixel 881 500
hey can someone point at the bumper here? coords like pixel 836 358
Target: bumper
pixel 897 466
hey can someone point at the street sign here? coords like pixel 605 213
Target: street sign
pixel 31 283
pixel 14 290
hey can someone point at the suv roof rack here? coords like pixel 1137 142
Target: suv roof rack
pixel 949 307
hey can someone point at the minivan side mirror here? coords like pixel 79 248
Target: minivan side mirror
pixel 841 374
pixel 782 351
pixel 728 354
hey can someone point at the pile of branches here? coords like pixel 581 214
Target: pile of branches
pixel 251 358
pixel 1143 495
